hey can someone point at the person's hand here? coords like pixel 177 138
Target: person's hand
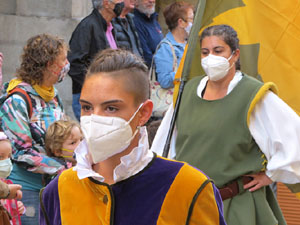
pixel 21 207
pixel 15 191
pixel 259 180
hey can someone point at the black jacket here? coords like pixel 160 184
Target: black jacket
pixel 87 39
pixel 122 36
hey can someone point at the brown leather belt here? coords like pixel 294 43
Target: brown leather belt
pixel 232 189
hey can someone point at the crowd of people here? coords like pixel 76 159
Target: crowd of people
pixel 100 167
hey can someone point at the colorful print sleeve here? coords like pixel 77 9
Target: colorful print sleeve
pixel 27 137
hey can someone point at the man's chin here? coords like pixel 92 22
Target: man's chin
pixel 147 11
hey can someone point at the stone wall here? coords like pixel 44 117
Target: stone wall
pixel 22 19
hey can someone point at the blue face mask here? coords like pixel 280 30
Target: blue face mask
pixel 5 168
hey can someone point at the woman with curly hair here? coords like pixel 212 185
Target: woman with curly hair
pixel 31 105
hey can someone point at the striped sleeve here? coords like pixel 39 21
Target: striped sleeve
pixel 208 207
pixel 192 199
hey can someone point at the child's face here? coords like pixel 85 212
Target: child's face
pixel 71 143
pixel 5 150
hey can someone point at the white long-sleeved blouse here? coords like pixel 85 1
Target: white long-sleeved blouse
pixel 274 126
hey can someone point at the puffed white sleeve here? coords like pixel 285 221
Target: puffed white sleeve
pixel 160 138
pixel 276 129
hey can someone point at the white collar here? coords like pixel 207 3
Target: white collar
pixel 236 79
pixel 130 164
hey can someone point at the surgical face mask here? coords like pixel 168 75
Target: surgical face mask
pixel 216 67
pixel 5 168
pixel 107 136
pixel 67 150
pixel 188 28
pixel 64 71
pixel 118 8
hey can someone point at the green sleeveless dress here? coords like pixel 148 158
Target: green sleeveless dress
pixel 214 137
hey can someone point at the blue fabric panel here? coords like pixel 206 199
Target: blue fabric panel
pixel 50 198
pixel 138 200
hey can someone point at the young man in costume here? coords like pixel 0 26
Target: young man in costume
pixel 117 179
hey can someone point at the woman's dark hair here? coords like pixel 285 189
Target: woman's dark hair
pixel 39 51
pixel 175 11
pixel 227 34
pixel 118 63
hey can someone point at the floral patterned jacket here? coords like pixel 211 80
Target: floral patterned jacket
pixel 27 135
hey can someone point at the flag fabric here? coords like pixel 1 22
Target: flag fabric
pixel 269 33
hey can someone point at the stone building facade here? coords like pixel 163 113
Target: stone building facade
pixel 22 19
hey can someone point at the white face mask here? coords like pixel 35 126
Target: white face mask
pixel 188 28
pixel 216 67
pixel 107 136
pixel 5 168
pixel 63 73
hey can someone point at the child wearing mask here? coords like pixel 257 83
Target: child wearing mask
pixel 62 137
pixel 11 206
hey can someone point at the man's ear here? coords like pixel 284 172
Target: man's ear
pixel 145 112
pixel 236 54
pixel 180 23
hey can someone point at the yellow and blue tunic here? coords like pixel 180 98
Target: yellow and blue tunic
pixel 164 192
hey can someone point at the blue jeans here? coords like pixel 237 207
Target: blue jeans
pixel 31 201
pixel 76 106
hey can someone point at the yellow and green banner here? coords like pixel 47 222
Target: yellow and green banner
pixel 269 33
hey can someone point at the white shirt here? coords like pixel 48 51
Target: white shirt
pixel 274 126
pixel 130 164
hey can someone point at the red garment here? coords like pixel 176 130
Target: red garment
pixel 12 207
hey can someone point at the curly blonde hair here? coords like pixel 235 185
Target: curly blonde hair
pixel 39 51
pixel 57 133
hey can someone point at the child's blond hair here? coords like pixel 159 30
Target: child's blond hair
pixel 57 133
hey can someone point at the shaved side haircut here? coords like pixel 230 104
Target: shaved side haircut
pixel 122 64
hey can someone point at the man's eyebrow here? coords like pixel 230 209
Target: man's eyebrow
pixel 84 101
pixel 103 103
pixel 111 101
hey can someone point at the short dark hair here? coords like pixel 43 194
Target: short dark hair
pixel 228 35
pixel 118 63
pixel 175 11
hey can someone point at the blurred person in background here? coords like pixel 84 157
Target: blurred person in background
pixel 31 104
pixel 125 31
pixel 179 17
pixel 93 34
pixel 148 28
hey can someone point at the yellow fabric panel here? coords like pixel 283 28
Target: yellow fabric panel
pixel 274 26
pixel 182 191
pixel 83 198
pixel 259 95
pixel 205 208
